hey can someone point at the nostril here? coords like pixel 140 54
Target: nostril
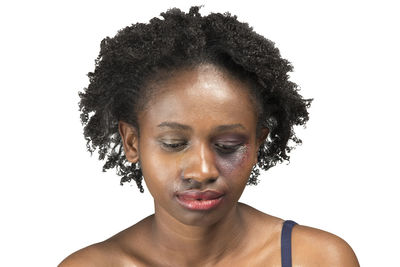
pixel 192 182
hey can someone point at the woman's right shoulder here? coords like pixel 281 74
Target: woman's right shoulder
pixel 105 253
pixel 93 255
pixel 118 250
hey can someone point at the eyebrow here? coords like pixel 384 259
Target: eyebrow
pixel 178 126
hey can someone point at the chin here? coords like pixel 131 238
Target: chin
pixel 200 218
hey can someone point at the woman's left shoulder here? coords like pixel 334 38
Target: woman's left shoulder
pixel 315 247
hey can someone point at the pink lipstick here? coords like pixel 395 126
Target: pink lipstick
pixel 199 200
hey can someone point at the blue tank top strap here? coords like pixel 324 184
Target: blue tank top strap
pixel 286 243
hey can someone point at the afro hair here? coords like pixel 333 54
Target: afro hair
pixel 142 52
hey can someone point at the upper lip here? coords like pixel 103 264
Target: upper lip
pixel 195 194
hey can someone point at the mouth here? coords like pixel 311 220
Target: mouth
pixel 199 200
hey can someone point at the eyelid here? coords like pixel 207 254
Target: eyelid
pixel 229 145
pixel 167 142
pixel 229 149
pixel 231 138
pixel 174 140
pixel 173 145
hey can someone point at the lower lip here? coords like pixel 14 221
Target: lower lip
pixel 199 204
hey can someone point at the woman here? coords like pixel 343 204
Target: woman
pixel 195 106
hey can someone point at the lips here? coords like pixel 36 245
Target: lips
pixel 195 200
pixel 199 195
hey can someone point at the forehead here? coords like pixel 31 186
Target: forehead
pixel 204 96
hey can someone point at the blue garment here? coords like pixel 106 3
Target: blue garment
pixel 286 243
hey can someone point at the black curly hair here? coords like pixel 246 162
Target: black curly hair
pixel 142 53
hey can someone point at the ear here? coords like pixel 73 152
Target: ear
pixel 260 140
pixel 130 140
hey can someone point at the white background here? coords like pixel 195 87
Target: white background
pixel 343 179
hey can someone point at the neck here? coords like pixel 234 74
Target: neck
pixel 187 244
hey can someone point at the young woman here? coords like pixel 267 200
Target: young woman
pixel 196 105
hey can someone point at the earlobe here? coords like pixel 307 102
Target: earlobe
pixel 130 141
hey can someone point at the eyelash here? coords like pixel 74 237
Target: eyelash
pixel 224 149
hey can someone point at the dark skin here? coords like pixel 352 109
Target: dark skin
pixel 199 132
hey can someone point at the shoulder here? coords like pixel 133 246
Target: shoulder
pixel 93 255
pixel 118 250
pixel 314 247
pixel 106 253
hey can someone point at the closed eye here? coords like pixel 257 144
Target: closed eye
pixel 227 149
pixel 173 146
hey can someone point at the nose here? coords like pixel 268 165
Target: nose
pixel 200 164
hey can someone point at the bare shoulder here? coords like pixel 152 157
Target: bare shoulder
pixel 106 253
pixel 118 250
pixel 314 247
pixel 93 255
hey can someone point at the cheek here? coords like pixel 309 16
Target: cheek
pixel 159 172
pixel 237 162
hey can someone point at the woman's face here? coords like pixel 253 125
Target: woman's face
pixel 197 133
